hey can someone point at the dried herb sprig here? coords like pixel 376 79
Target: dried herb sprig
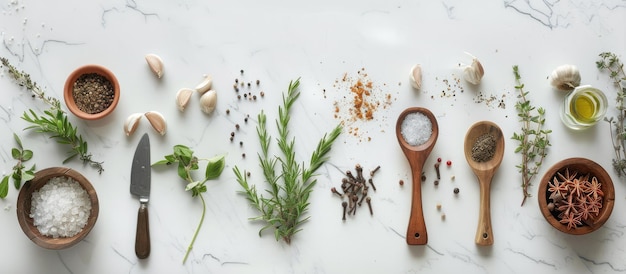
pixel 20 172
pixel 289 190
pixel 187 163
pixel 57 124
pixel 609 61
pixel 533 139
pixel 53 121
pixel 23 80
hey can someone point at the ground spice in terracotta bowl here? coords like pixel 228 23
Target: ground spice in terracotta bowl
pixel 91 92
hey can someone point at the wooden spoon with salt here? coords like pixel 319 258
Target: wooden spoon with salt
pixel 416 231
pixel 484 171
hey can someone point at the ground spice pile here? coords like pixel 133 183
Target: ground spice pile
pixel 93 93
pixel 484 148
pixel 362 103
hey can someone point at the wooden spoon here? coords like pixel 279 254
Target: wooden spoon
pixel 484 171
pixel 416 231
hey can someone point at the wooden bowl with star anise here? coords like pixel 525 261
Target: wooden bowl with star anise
pixel 576 196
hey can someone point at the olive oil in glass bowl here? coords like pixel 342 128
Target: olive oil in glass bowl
pixel 583 107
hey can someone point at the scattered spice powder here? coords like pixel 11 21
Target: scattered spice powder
pixel 363 103
pixel 93 93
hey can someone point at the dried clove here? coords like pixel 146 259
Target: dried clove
pixel 344 205
pixel 372 183
pixel 368 200
pixel 374 171
pixel 437 170
pixel 334 190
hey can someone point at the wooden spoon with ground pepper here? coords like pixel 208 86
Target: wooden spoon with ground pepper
pixel 481 137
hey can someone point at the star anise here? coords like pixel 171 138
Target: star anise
pixel 571 220
pixel 594 188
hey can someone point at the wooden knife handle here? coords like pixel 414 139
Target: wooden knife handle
pixel 142 238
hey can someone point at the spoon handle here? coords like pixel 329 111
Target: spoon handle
pixel 484 234
pixel 416 232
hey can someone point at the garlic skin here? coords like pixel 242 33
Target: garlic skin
pixel 157 121
pixel 131 123
pixel 205 85
pixel 565 77
pixel 415 77
pixel 182 98
pixel 474 72
pixel 208 101
pixel 156 64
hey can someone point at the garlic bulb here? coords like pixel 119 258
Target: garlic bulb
pixel 474 72
pixel 565 77
pixel 156 64
pixel 415 77
pixel 131 123
pixel 208 101
pixel 182 98
pixel 157 121
pixel 205 85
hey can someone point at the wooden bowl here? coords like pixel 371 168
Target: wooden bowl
pixel 24 206
pixel 68 91
pixel 582 166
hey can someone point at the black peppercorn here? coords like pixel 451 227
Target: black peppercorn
pixel 456 190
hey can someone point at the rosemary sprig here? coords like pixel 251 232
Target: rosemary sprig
pixel 289 191
pixel 533 140
pixel 53 121
pixel 187 162
pixel 57 124
pixel 20 173
pixel 609 61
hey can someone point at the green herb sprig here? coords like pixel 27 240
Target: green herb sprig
pixel 610 62
pixel 289 190
pixel 187 163
pixel 533 140
pixel 53 121
pixel 20 172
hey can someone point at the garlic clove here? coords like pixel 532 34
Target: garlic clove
pixel 416 77
pixel 157 121
pixel 156 64
pixel 565 77
pixel 474 72
pixel 208 101
pixel 182 98
pixel 205 85
pixel 131 123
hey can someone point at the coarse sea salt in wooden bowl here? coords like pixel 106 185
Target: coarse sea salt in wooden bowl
pixel 65 211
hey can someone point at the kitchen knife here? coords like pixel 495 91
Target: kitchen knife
pixel 140 186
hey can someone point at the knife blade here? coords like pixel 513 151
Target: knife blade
pixel 140 187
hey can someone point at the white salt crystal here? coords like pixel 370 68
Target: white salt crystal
pixel 416 128
pixel 60 208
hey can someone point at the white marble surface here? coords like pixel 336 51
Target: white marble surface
pixel 319 41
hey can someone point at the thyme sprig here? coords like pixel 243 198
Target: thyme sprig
pixel 23 80
pixel 187 163
pixel 53 121
pixel 533 139
pixel 610 62
pixel 289 190
pixel 20 172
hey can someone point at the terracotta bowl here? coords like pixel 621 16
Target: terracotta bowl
pixel 24 206
pixel 581 166
pixel 69 88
